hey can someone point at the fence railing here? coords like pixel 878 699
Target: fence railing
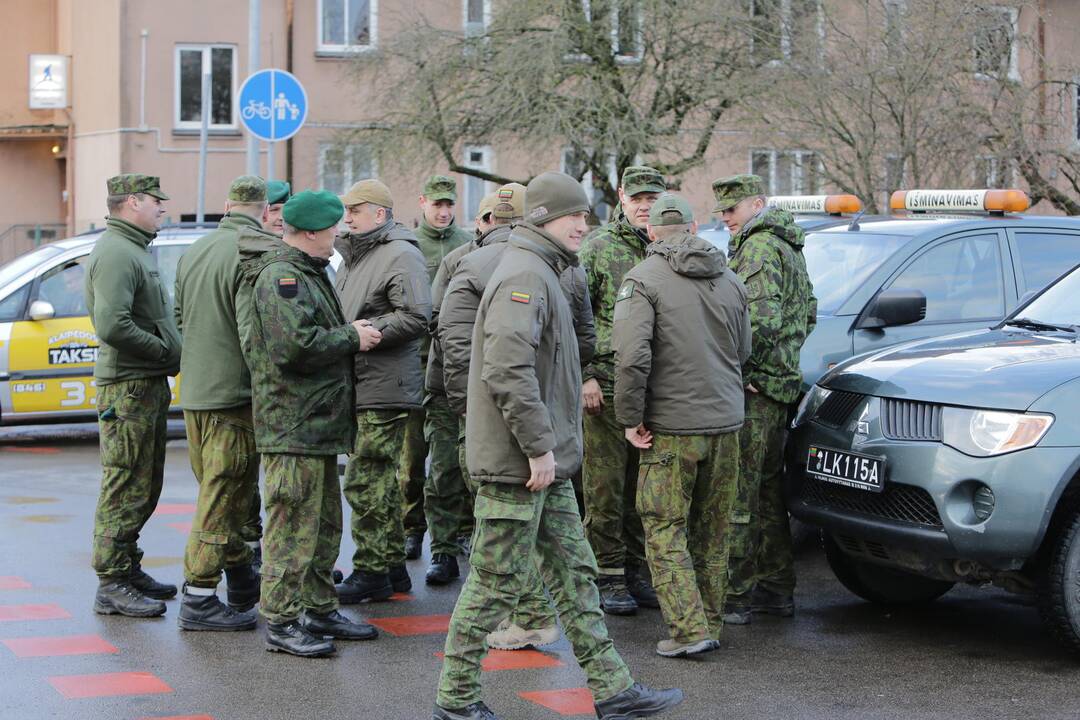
pixel 21 237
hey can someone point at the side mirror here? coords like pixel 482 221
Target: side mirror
pixel 895 306
pixel 42 310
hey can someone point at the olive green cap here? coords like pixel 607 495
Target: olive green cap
pixel 440 187
pixel 730 190
pixel 510 202
pixel 277 191
pixel 671 209
pixel 313 210
pixel 487 205
pixel 639 178
pixel 552 195
pixel 368 191
pixel 131 183
pixel 247 189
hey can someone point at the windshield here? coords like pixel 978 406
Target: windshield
pixel 24 263
pixel 1059 305
pixel 839 262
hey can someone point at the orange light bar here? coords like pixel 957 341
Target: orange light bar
pixel 1007 201
pixel 960 200
pixel 841 204
pixel 816 204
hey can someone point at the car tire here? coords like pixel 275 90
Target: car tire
pixel 1056 596
pixel 879 584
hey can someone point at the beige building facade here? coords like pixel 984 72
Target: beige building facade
pixel 134 96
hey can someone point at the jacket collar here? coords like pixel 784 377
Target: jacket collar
pixel 437 233
pixel 354 245
pixel 131 232
pixel 533 239
pixel 497 234
pixel 235 221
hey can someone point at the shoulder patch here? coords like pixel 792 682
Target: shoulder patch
pixel 625 291
pixel 287 287
pixel 521 297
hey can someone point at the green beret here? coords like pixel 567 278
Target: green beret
pixel 730 190
pixel 671 209
pixel 639 178
pixel 440 187
pixel 132 183
pixel 247 189
pixel 277 191
pixel 313 210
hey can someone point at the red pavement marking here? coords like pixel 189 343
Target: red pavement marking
pixel 572 701
pixel 32 612
pixel 32 450
pixel 174 509
pixel 183 527
pixel 401 597
pixel 53 646
pixel 108 684
pixel 515 660
pixel 13 582
pixel 412 624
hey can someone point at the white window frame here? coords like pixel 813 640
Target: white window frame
pixel 471 30
pixel 613 37
pixel 1014 50
pixel 333 48
pixel 347 179
pixel 179 124
pixel 785 28
pixel 487 163
pixel 798 158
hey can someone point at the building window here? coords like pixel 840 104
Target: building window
pixel 994 42
pixel 478 158
pixel 620 20
pixel 191 61
pixel 894 28
pixel 342 165
pixel 993 172
pixel 787 172
pixel 347 25
pixel 574 164
pixel 477 17
pixel 779 26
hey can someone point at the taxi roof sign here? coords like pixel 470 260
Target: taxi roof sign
pixel 816 204
pixel 997 201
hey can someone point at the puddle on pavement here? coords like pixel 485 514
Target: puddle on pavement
pixel 160 561
pixel 45 519
pixel 27 500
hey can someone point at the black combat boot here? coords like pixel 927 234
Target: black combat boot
pixel 735 614
pixel 361 586
pixel 444 568
pixel 771 603
pixel 414 545
pixel 293 638
pixel 243 587
pixel 400 580
pixel 615 598
pixel 638 701
pixel 150 587
pixel 206 612
pixel 640 586
pixel 337 626
pixel 120 597
pixel 476 711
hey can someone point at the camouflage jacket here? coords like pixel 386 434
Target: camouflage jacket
pixel 609 253
pixel 300 352
pixel 767 256
pixel 436 244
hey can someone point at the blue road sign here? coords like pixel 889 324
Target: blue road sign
pixel 273 105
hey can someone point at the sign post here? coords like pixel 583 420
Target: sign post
pixel 273 107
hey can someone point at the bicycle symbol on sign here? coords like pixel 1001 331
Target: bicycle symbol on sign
pixel 256 108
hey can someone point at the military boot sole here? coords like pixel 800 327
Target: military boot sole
pixel 774 610
pixel 654 707
pixel 531 638
pixel 743 617
pixel 188 624
pixel 618 609
pixel 702 646
pixel 271 647
pixel 165 594
pixel 441 579
pixel 107 608
pixel 355 598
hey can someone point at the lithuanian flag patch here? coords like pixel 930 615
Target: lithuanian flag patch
pixel 520 297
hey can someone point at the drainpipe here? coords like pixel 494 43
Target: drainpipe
pixel 290 6
pixel 142 79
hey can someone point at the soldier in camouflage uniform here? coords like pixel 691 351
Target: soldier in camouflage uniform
pixel 682 332
pixel 217 417
pixel 139 349
pixel 301 352
pixel 611 463
pixel 523 428
pixel 438 235
pixel 766 253
pixel 383 281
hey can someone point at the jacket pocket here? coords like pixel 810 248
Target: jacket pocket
pixel 506 528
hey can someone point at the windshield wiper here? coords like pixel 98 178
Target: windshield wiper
pixel 1031 324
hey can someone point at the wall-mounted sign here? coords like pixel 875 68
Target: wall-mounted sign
pixel 48 82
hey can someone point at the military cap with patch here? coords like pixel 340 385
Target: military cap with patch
pixel 132 183
pixel 510 201
pixel 639 178
pixel 440 187
pixel 671 209
pixel 368 191
pixel 277 191
pixel 247 189
pixel 313 210
pixel 487 205
pixel 552 195
pixel 730 190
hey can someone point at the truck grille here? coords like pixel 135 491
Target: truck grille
pixel 905 503
pixel 837 407
pixel 910 420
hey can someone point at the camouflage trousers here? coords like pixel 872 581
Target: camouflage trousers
pixel 302 537
pixel 686 487
pixel 761 551
pixel 609 483
pixel 413 475
pixel 252 529
pixel 511 525
pixel 373 492
pixel 221 446
pixel 132 424
pixel 447 501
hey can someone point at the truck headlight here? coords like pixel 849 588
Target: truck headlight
pixel 992 432
pixel 810 403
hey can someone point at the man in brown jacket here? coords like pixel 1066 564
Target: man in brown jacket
pixel 681 335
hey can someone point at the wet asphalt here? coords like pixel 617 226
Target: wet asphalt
pixel 975 653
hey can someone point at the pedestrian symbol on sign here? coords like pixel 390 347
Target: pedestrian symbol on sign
pixel 273 105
